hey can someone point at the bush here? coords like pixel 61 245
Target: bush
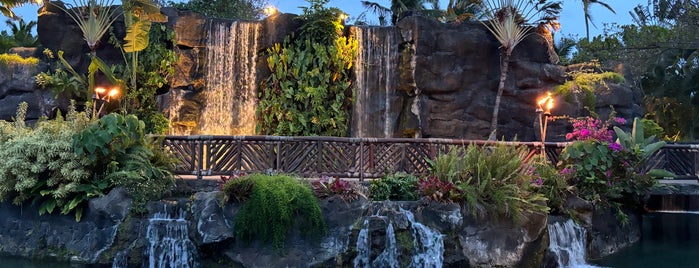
pixel 549 182
pixel 125 156
pixel 39 164
pixel 490 178
pixel 399 186
pixel 328 186
pixel 276 204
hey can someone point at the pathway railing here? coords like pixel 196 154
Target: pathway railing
pixel 357 157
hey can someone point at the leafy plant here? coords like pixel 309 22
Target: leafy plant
pixel 309 89
pixel 399 187
pixel 550 182
pixel 14 59
pixel 277 204
pixel 490 178
pixel 437 190
pixel 328 186
pixel 587 82
pixel 39 164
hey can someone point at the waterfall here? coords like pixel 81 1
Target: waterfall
pixel 168 241
pixel 121 260
pixel 567 243
pixel 231 90
pixel 376 69
pixel 427 247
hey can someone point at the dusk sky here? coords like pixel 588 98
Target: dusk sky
pixel 572 21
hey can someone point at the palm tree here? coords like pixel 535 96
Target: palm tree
pixel 398 7
pixel 6 6
pixel 588 17
pixel 510 22
pixel 22 33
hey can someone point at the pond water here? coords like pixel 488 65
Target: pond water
pixel 669 240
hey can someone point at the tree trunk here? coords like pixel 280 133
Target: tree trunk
pixel 501 87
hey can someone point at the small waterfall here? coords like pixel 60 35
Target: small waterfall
pixel 121 260
pixel 231 91
pixel 377 104
pixel 427 248
pixel 567 243
pixel 168 241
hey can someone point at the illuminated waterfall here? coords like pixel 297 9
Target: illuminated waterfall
pixel 230 92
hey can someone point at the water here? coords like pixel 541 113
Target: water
pixel 567 243
pixel 427 248
pixel 668 240
pixel 168 242
pixel 377 104
pixel 231 91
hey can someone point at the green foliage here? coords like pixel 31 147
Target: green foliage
pixel 309 90
pixel 612 174
pixel 277 204
pixel 550 183
pixel 21 33
pixel 397 187
pixel 238 188
pixel 39 164
pixel 63 81
pixel 491 178
pixel 651 128
pixel 224 9
pixel 125 156
pixel 587 83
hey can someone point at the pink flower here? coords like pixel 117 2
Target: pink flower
pixel 567 171
pixel 584 133
pixel 570 136
pixel 608 173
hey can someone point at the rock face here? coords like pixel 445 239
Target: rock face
pixel 25 233
pixel 428 79
pixel 17 84
pixel 373 233
pixel 608 235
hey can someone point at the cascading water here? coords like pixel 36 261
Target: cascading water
pixel 230 92
pixel 377 104
pixel 427 247
pixel 567 244
pixel 168 241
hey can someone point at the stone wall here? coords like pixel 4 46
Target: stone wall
pixel 447 78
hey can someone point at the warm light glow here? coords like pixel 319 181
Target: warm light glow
pixel 113 92
pixel 547 102
pixel 270 10
pixel 343 16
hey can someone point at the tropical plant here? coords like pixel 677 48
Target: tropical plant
pixel 224 9
pixel 277 204
pixel 93 17
pixel 588 16
pixel 6 6
pixel 492 178
pixel 587 82
pixel 39 164
pixel 328 186
pixel 397 187
pixel 510 22
pixel 309 89
pixel 22 33
pixel 606 172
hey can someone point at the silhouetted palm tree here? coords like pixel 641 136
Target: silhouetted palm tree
pixel 588 17
pixel 22 33
pixel 6 6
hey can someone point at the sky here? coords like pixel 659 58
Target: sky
pixel 572 17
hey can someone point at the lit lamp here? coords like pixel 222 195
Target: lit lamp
pixel 543 109
pixel 102 95
pixel 343 16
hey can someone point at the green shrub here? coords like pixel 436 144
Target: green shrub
pixel 549 182
pixel 400 186
pixel 491 178
pixel 238 188
pixel 278 203
pixel 125 156
pixel 14 59
pixel 309 90
pixel 39 164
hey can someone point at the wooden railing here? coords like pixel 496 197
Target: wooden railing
pixel 357 157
